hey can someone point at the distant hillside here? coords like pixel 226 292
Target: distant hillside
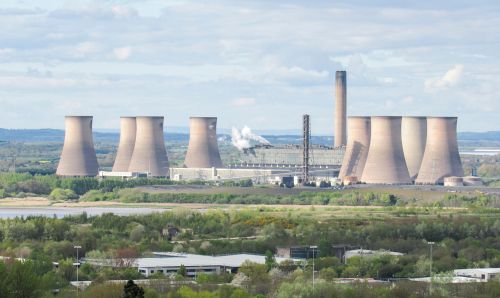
pixel 479 136
pixel 57 135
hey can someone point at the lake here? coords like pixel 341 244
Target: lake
pixel 59 212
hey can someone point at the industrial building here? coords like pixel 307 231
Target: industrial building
pixel 203 150
pixel 78 157
pixel 366 253
pixel 149 154
pixel 169 263
pixel 377 150
pixel 386 163
pixel 297 252
pixel 441 158
pixel 257 175
pixel 126 145
pixel 461 276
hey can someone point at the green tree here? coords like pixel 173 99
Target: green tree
pixel 131 290
pixel 182 271
pixel 270 260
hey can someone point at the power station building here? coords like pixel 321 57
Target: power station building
pixel 203 150
pixel 385 163
pixel 78 157
pixel 150 155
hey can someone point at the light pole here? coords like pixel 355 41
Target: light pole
pixel 430 267
pixel 77 264
pixel 313 248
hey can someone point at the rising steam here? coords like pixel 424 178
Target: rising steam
pixel 242 139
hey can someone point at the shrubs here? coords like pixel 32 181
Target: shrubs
pixel 60 194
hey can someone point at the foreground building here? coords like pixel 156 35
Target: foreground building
pixel 169 263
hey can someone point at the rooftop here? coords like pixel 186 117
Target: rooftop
pixel 170 259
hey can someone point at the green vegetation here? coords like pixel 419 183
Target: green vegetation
pixel 12 184
pixel 463 240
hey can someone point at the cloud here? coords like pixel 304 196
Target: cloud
pixel 122 11
pixel 243 102
pixel 407 99
pixel 86 48
pixel 122 53
pixel 451 78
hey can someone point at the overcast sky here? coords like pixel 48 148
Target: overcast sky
pixel 256 63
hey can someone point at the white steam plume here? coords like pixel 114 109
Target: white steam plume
pixel 242 139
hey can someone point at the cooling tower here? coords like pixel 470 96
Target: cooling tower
pixel 203 150
pixel 126 146
pixel 358 142
pixel 340 108
pixel 78 156
pixel 149 153
pixel 385 163
pixel 441 158
pixel 413 134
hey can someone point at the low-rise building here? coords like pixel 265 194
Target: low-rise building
pixel 483 274
pixel 297 252
pixel 370 253
pixel 169 263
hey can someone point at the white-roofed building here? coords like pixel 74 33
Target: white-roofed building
pixel 483 274
pixel 170 263
pixel 370 253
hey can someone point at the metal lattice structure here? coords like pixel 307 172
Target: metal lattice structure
pixel 306 139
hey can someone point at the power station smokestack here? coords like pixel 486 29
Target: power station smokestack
pixel 127 143
pixel 78 156
pixel 385 163
pixel 340 108
pixel 413 134
pixel 358 142
pixel 441 158
pixel 149 154
pixel 203 150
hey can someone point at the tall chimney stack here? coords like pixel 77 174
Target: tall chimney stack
pixel 340 108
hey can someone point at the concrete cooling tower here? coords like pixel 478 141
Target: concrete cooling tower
pixel 203 150
pixel 127 143
pixel 385 163
pixel 413 134
pixel 441 158
pixel 149 153
pixel 340 108
pixel 358 142
pixel 78 157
